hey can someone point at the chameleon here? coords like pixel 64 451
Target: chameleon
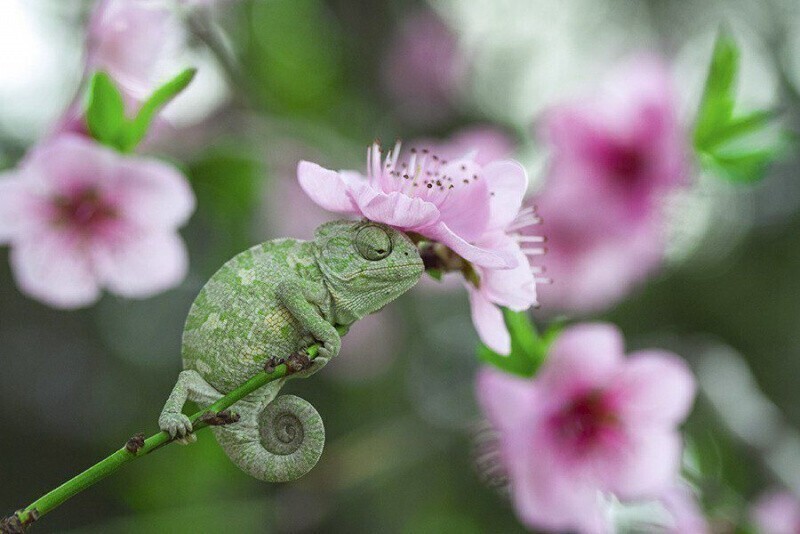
pixel 273 301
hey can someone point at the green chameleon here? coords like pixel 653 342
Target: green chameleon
pixel 275 300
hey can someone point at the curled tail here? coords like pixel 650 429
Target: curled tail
pixel 279 442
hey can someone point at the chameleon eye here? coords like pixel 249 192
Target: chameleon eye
pixel 373 243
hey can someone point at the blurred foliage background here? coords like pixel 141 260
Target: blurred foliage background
pixel 284 80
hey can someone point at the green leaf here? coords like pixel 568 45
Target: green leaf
pixel 137 129
pixel 716 105
pixel 105 112
pixel 736 148
pixel 528 348
pixel 436 274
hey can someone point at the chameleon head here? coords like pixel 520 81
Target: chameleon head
pixel 365 265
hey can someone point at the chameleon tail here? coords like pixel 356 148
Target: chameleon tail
pixel 281 442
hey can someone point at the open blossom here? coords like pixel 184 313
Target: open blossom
pixel 590 424
pixel 471 208
pixel 777 512
pixel 80 217
pixel 453 202
pixel 624 145
pixel 129 39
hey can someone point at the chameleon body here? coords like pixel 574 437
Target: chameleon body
pixel 272 301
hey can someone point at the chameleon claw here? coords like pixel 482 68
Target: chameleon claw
pixel 135 443
pixel 298 362
pixel 225 417
pixel 272 363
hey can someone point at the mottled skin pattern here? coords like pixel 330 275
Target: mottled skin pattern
pixel 273 300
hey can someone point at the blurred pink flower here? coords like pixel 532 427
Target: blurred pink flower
pixel 454 202
pixel 129 39
pixel 593 258
pixel 623 145
pixel 776 512
pixel 423 68
pixel 589 424
pixel 615 155
pixel 80 216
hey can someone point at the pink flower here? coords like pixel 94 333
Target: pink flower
pixel 453 202
pixel 129 39
pixel 624 144
pixel 776 512
pixel 423 68
pixel 593 257
pixel 591 423
pixel 80 216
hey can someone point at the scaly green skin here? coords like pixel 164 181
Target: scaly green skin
pixel 272 301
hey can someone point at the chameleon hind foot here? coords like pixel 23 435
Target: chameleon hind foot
pixel 135 443
pixel 298 361
pixel 225 417
pixel 272 363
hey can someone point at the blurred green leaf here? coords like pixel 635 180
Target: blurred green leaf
pixel 138 127
pixel 105 113
pixel 738 149
pixel 528 348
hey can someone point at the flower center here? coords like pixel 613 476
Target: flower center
pixel 84 210
pixel 626 164
pixel 586 423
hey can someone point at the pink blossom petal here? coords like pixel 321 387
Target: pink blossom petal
pixel 649 465
pixel 154 195
pixel 68 162
pixel 465 207
pixel 776 512
pixel 507 181
pixel 514 288
pixel 325 187
pixel 585 356
pixel 143 266
pixel 489 322
pixel 687 517
pixel 11 198
pixel 479 256
pixel 654 387
pixel 396 209
pixel 546 495
pixel 52 268
pixel 506 400
pixel 131 40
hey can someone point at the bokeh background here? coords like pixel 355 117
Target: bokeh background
pixel 284 80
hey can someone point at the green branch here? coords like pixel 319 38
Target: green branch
pixel 136 448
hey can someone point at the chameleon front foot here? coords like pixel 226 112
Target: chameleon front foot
pixel 225 417
pixel 175 424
